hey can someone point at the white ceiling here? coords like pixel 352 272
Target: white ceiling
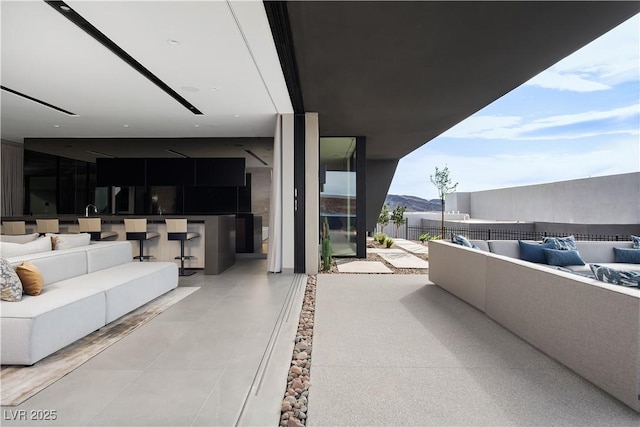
pixel 225 64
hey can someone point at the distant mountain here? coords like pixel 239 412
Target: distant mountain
pixel 413 203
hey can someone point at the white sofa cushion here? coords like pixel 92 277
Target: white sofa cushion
pixel 510 248
pixel 8 249
pixel 68 241
pixel 600 252
pixel 56 266
pixel 108 254
pixel 480 244
pixel 128 286
pixel 19 238
pixel 38 326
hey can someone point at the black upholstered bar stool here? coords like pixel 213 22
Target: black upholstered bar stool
pixel 93 226
pixel 177 230
pixel 136 229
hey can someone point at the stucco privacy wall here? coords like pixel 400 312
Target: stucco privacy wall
pixel 613 199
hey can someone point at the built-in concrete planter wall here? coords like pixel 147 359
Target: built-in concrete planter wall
pixel 602 200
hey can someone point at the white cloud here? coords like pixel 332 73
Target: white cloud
pixel 573 82
pixel 482 172
pixel 609 60
pixel 481 126
pixel 548 128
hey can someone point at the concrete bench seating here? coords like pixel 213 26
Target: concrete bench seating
pixel 591 327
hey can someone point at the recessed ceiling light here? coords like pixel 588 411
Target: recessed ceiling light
pixel 56 126
pixel 65 8
pixel 126 126
pixel 196 126
pixel 236 115
pixel 173 42
pixel 213 89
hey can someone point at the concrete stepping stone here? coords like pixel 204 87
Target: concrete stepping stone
pixel 410 246
pixel 381 250
pixel 348 266
pixel 403 260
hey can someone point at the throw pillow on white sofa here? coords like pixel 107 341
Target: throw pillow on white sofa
pixel 8 249
pixel 68 241
pixel 19 238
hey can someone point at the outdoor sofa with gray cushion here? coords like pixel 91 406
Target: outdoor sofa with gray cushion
pixel 590 326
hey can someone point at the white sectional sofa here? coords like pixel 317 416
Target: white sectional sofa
pixel 84 289
pixel 591 327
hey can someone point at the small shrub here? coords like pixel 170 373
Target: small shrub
pixel 388 242
pixel 425 237
pixel 380 238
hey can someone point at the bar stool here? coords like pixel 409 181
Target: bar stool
pixel 177 230
pixel 14 227
pixel 93 226
pixel 136 229
pixel 44 226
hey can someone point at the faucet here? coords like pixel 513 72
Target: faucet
pixel 86 210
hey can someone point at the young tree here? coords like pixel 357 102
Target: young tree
pixel 443 183
pixel 383 218
pixel 397 216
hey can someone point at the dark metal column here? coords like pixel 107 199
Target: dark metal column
pixel 299 193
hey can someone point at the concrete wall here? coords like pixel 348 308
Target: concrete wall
pixel 611 199
pixel 458 202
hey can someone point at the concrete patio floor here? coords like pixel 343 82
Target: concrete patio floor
pixel 398 350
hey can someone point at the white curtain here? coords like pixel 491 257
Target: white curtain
pixel 12 179
pixel 274 254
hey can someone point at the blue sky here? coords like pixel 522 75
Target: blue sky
pixel 580 118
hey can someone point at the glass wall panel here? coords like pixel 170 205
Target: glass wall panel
pixel 338 193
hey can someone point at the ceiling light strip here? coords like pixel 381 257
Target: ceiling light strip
pixel 177 153
pixel 97 153
pixel 66 11
pixel 278 17
pixel 251 153
pixel 39 101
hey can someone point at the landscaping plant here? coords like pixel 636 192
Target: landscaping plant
pixel 388 242
pixel 379 237
pixel 326 246
pixel 397 216
pixel 383 218
pixel 425 237
pixel 443 183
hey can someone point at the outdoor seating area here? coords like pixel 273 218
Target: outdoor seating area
pixel 590 326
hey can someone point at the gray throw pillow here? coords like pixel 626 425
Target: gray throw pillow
pixel 10 284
